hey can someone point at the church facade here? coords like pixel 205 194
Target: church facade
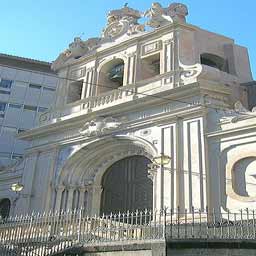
pixel 163 89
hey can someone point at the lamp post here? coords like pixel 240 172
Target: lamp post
pixel 161 161
pixel 16 188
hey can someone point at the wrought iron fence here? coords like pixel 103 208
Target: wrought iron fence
pixel 46 234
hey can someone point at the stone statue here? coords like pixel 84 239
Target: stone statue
pixel 160 16
pixel 76 49
pixel 123 21
pixel 99 126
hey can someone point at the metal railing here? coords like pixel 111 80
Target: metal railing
pixel 46 234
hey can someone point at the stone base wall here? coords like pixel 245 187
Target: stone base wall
pixel 122 253
pixel 212 252
pixel 211 248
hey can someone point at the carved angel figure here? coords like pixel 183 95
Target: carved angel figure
pixel 160 16
pixel 156 14
pixel 99 127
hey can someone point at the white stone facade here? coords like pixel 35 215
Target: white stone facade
pixel 179 97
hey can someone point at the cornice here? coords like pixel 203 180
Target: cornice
pixel 159 120
pixel 232 131
pixel 175 95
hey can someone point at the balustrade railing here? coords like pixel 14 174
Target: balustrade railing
pixel 46 234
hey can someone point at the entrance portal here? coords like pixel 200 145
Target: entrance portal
pixel 126 186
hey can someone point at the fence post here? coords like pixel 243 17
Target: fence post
pixel 165 210
pixel 79 226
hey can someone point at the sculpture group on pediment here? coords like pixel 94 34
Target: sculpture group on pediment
pixel 160 16
pixel 121 22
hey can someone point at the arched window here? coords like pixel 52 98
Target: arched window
pixel 111 76
pixel 214 61
pixel 5 205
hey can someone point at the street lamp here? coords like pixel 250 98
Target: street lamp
pixel 162 159
pixel 17 187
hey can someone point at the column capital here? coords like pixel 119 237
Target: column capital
pixel 82 189
pixel 60 187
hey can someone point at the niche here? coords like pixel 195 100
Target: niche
pixel 214 61
pixel 75 91
pixel 150 66
pixel 111 76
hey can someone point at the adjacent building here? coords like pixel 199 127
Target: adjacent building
pixel 164 89
pixel 27 89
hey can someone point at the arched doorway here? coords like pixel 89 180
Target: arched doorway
pixel 126 186
pixel 5 205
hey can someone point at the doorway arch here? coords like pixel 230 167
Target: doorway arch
pixel 126 186
pixel 85 169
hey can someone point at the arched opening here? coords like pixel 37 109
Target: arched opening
pixel 214 61
pixel 5 206
pixel 243 177
pixel 111 76
pixel 126 186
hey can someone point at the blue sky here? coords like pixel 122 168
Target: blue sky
pixel 41 29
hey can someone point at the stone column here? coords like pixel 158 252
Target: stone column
pixel 131 68
pixel 180 166
pixel 23 204
pixel 59 191
pixel 49 193
pixel 89 85
pixel 81 197
pixel 152 174
pixel 71 190
pixel 168 63
pixel 95 199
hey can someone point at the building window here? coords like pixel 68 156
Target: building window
pixel 16 156
pixel 6 83
pixel 150 66
pixel 15 106
pixel 4 92
pixel 5 205
pixel 32 108
pixel 75 91
pixel 35 86
pixel 2 109
pixel 21 130
pixel 48 89
pixel 214 61
pixel 41 109
pixel 2 106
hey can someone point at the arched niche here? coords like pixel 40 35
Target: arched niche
pixel 5 206
pixel 244 177
pixel 214 61
pixel 126 186
pixel 111 76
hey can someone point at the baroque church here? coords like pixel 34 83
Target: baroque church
pixel 149 115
